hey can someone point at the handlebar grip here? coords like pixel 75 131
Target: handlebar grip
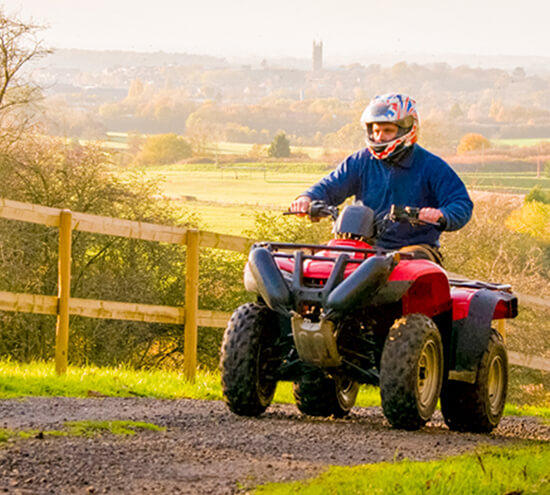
pixel 317 210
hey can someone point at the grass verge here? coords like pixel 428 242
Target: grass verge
pixel 489 470
pixel 40 379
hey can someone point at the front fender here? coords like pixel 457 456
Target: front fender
pixel 421 286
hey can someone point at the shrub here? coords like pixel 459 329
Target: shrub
pixel 473 142
pixel 537 194
pixel 486 249
pixel 164 149
pixel 533 218
pixel 271 226
pixel 279 147
pixel 103 267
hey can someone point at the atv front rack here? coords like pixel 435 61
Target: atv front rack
pixel 293 291
pixel 275 246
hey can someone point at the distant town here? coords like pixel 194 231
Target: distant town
pixel 309 99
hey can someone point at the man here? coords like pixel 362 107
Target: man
pixel 394 170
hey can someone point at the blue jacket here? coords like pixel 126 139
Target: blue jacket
pixel 419 179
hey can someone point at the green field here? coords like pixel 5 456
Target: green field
pixel 229 148
pixel 228 198
pixel 248 190
pixel 521 182
pixel 226 219
pixel 119 141
pixel 519 142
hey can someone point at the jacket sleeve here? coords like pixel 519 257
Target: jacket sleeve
pixel 452 197
pixel 338 185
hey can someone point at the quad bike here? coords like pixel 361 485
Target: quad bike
pixel 331 317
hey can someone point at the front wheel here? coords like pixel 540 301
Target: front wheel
pixel 478 407
pixel 247 359
pixel 318 395
pixel 411 371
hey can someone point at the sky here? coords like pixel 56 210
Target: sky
pixel 286 28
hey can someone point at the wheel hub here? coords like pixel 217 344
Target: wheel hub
pixel 428 372
pixel 495 384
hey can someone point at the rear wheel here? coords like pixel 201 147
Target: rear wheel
pixel 247 359
pixel 411 371
pixel 478 407
pixel 318 395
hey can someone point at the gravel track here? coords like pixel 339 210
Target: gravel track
pixel 208 450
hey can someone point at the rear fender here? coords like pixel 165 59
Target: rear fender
pixel 506 307
pixel 472 328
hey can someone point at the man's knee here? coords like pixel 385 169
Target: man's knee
pixel 424 252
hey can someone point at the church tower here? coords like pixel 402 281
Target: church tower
pixel 317 56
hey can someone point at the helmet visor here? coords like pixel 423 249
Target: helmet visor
pixel 379 112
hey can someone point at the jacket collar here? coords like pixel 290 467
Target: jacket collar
pixel 404 159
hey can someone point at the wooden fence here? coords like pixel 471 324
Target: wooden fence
pixel 63 305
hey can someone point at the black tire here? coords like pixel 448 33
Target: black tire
pixel 411 371
pixel 478 407
pixel 245 359
pixel 318 395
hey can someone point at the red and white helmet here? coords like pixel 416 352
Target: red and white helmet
pixel 396 109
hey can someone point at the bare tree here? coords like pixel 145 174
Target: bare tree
pixel 19 44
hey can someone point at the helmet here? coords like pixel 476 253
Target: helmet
pixel 395 109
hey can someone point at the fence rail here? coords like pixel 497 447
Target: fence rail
pixel 190 316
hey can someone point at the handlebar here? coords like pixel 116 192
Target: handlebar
pixel 317 209
pixel 411 215
pixel 406 214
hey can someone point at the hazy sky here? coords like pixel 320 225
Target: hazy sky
pixel 287 27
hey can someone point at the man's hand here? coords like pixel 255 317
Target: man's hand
pixel 300 205
pixel 430 215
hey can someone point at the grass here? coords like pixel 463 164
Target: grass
pixel 513 182
pixel 248 189
pixel 230 148
pixel 40 379
pixel 281 182
pixel 223 218
pixel 519 142
pixel 93 428
pixel 119 140
pixel 489 470
pixel 86 429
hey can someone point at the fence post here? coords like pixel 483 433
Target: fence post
pixel 191 305
pixel 63 292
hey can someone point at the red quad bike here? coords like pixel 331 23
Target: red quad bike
pixel 330 317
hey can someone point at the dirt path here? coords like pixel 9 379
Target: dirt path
pixel 207 450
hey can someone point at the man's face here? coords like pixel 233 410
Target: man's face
pixel 384 131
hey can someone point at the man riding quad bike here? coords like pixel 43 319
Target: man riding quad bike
pixel 331 317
